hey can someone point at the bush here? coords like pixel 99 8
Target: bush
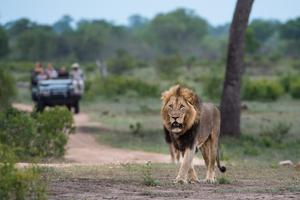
pixel 168 66
pixel 212 86
pixel 121 63
pixel 113 86
pixel 275 135
pixel 18 183
pixel 7 88
pixel 287 79
pixel 53 127
pixel 18 131
pixel 148 179
pixel 44 135
pixel 262 89
pixel 295 89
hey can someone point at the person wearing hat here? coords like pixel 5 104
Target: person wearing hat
pixel 77 76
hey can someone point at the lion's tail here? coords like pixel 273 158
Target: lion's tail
pixel 221 168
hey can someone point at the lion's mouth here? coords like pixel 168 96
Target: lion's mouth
pixel 176 127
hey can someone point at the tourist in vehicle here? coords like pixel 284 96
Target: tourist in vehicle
pixel 78 77
pixel 51 72
pixel 35 72
pixel 42 75
pixel 63 73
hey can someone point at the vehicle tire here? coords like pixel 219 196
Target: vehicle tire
pixel 40 106
pixel 76 107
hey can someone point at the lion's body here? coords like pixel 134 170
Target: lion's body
pixel 191 125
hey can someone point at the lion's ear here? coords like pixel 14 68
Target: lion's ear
pixel 165 95
pixel 193 98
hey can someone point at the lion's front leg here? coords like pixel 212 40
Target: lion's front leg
pixel 185 165
pixel 192 175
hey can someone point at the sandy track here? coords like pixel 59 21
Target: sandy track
pixel 83 149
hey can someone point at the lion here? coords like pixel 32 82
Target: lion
pixel 191 125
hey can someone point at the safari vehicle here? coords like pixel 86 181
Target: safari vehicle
pixel 54 92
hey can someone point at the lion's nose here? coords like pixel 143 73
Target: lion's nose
pixel 175 118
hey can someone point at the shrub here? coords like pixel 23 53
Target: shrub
pixel 136 129
pixel 44 135
pixel 121 63
pixel 18 131
pixel 7 88
pixel 53 127
pixel 287 79
pixel 295 89
pixel 223 180
pixel 148 177
pixel 120 85
pixel 262 89
pixel 275 135
pixel 212 86
pixel 168 66
pixel 18 183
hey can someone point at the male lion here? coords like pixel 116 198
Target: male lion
pixel 191 125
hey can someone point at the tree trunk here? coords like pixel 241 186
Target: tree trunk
pixel 230 102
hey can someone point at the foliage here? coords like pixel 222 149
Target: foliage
pixel 262 89
pixel 275 135
pixel 213 85
pixel 53 127
pixel 18 183
pixel 113 86
pixel 180 31
pixel 295 88
pixel 3 43
pixel 136 129
pixel 18 131
pixel 287 79
pixel 290 32
pixel 251 43
pixel 168 66
pixel 263 29
pixel 223 180
pixel 148 177
pixel 121 63
pixel 177 30
pixel 43 135
pixel 7 88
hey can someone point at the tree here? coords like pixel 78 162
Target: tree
pixel 3 43
pixel 38 43
pixel 177 31
pixel 290 33
pixel 263 29
pixel 63 25
pixel 230 101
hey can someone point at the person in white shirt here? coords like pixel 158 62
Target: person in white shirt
pixel 51 72
pixel 78 77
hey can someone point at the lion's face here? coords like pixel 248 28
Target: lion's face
pixel 178 111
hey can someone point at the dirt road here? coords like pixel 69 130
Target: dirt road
pixel 83 149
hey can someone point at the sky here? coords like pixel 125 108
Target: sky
pixel 216 12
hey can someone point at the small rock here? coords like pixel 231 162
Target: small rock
pixel 286 163
pixel 297 166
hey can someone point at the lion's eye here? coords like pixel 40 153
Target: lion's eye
pixel 182 107
pixel 171 106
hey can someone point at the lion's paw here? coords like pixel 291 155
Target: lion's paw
pixel 193 181
pixel 210 180
pixel 180 180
